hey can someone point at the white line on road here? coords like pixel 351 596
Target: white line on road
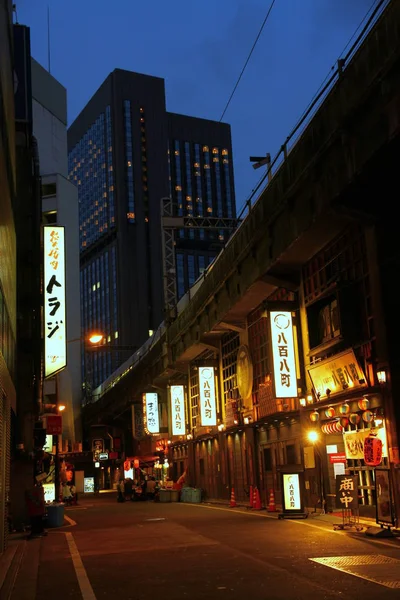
pixel 70 521
pixel 295 521
pixel 81 575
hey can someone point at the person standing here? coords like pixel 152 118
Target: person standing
pixel 35 504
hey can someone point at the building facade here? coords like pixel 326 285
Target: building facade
pixel 8 313
pixel 127 153
pixel 60 207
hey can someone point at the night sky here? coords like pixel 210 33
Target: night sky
pixel 199 48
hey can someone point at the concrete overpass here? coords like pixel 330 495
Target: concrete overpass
pixel 345 159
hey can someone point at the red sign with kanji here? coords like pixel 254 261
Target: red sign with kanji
pixel 337 457
pixel 54 425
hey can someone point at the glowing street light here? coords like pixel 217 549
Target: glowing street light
pixel 313 436
pixel 61 407
pixel 96 338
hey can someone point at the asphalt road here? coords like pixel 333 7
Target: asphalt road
pixel 150 550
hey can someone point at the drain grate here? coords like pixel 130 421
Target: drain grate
pixel 377 568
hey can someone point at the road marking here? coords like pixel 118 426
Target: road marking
pixel 81 575
pixel 70 521
pixel 296 522
pixel 383 570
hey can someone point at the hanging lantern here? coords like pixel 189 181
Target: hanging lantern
pixel 314 417
pixel 330 412
pixel 372 451
pixel 367 416
pixel 136 463
pixel 363 404
pixel 354 418
pixel 344 409
pixel 344 421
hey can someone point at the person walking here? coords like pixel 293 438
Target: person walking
pixel 121 491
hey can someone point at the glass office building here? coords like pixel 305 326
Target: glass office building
pixel 126 153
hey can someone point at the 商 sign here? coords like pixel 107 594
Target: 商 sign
pixel 346 491
pixel 208 410
pixel 285 377
pixel 178 416
pixel 55 342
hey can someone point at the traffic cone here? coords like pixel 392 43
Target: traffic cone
pixel 257 501
pixel 251 497
pixel 271 505
pixel 254 497
pixel 232 503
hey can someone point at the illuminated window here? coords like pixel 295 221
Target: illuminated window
pixel 115 334
pixel 146 219
pixel 151 332
pixel 130 215
pixel 178 188
pixel 98 284
pixel 94 287
pixel 109 338
pixel 176 152
pixel 141 109
pixel 206 166
pixel 129 163
pixel 225 152
pixel 197 165
pixel 225 161
pixel 206 149
pixel 188 198
pixel 215 159
pixel 215 151
pixel 141 120
pixel 197 173
pixel 209 209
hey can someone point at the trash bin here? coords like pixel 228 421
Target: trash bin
pixel 186 494
pixel 174 495
pixel 55 515
pixel 165 495
pixel 196 496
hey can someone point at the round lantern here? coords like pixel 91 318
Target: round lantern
pixel 136 463
pixel 127 465
pixel 314 416
pixel 372 451
pixel 344 421
pixel 367 416
pixel 330 412
pixel 354 418
pixel 344 409
pixel 363 404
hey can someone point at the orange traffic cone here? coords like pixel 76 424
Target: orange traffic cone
pixel 251 500
pixel 271 505
pixel 257 501
pixel 232 503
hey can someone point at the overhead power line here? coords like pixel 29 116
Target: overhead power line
pixel 248 58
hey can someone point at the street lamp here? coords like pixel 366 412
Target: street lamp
pixel 96 338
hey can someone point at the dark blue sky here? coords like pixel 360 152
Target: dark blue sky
pixel 199 47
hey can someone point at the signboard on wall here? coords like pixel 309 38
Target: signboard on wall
pixel 354 442
pixel 284 358
pixel 55 339
pixel 53 425
pixel 208 408
pixel 150 413
pixel 137 422
pixel 336 374
pixel 178 413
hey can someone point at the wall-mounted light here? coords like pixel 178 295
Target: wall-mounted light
pixel 381 376
pixel 189 436
pixel 310 398
pixel 302 401
pixel 221 427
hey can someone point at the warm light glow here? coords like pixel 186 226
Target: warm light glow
pixel 313 436
pixel 302 401
pixel 378 421
pixel 381 376
pixel 221 427
pixel 310 398
pixel 95 338
pixel 61 407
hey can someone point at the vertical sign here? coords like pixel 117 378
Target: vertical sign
pixel 285 376
pixel 55 340
pixel 291 490
pixel 208 410
pixel 150 413
pixel 178 415
pixel 346 491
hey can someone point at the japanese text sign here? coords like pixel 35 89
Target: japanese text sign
pixel 291 490
pixel 150 413
pixel 178 416
pixel 346 491
pixel 208 410
pixel 285 377
pixel 336 374
pixel 55 340
pixel 54 425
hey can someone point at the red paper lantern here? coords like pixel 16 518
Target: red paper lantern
pixel 363 404
pixel 127 465
pixel 344 421
pixel 136 463
pixel 372 451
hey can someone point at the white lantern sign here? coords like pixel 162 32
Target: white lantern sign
pixel 150 413
pixel 208 409
pixel 285 376
pixel 178 416
pixel 55 339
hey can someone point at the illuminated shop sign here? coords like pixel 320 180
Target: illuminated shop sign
pixel 337 374
pixel 291 490
pixel 178 416
pixel 55 341
pixel 208 410
pixel 285 376
pixel 150 413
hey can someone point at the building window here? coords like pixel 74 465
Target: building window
pixel 230 346
pixel 129 176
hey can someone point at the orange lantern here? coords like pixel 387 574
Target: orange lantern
pixel 127 465
pixel 136 463
pixel 372 451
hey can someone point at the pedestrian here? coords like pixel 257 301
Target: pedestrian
pixel 128 488
pixel 34 498
pixel 74 494
pixel 121 491
pixel 66 493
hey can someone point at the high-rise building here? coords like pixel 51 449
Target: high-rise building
pixel 60 207
pixel 127 153
pixel 8 312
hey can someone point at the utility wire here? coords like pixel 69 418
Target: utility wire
pixel 247 60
